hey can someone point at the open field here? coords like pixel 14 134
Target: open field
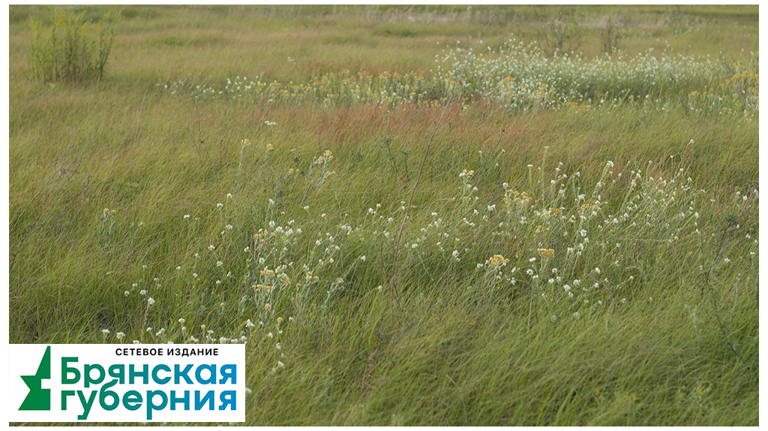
pixel 411 215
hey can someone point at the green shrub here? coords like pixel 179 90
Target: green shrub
pixel 71 49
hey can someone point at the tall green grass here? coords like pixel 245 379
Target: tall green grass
pixel 70 50
pixel 558 267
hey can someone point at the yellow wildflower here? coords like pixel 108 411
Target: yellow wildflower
pixel 496 261
pixel 546 252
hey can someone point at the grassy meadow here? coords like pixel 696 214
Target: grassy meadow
pixel 411 215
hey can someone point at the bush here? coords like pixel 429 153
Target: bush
pixel 72 49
